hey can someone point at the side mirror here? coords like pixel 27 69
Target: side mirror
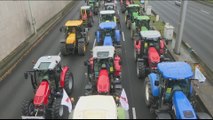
pixel 25 75
pixel 60 29
pixel 156 83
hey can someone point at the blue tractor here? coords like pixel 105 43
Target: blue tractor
pixel 168 93
pixel 109 35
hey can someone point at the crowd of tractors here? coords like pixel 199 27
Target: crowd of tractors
pixel 167 83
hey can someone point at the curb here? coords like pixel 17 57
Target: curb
pixel 16 56
pixel 204 3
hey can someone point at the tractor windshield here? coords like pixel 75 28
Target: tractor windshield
pixel 142 23
pixel 107 17
pixel 133 9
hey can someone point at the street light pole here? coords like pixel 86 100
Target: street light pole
pixel 32 18
pixel 181 26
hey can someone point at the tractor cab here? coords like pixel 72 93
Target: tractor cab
pixel 86 12
pixel 73 30
pixel 142 23
pixel 107 16
pixel 110 6
pixel 94 5
pixel 106 33
pixel 133 10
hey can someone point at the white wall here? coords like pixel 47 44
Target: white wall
pixel 16 21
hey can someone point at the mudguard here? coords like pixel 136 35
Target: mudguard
pixel 155 89
pixel 182 106
pixel 118 36
pixel 98 34
pixel 63 75
pixel 108 41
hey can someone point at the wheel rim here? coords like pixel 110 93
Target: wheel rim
pixel 147 92
pixel 61 110
pixel 70 82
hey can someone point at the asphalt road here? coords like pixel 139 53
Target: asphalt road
pixel 14 89
pixel 198 26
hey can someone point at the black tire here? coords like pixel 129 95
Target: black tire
pixel 135 56
pixel 81 48
pixel 59 111
pixel 28 108
pixel 63 50
pixel 149 98
pixel 140 70
pixel 69 83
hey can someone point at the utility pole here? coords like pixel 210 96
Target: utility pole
pixel 32 18
pixel 181 26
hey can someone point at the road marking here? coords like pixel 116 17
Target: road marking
pixel 94 43
pixel 59 54
pixel 123 36
pixel 204 12
pixel 134 113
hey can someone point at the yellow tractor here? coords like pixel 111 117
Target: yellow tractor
pixel 76 38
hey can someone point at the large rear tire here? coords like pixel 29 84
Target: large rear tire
pixel 135 55
pixel 69 82
pixel 81 48
pixel 140 70
pixel 28 108
pixel 59 111
pixel 63 50
pixel 149 99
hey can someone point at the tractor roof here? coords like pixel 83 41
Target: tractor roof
pixel 107 12
pixel 150 34
pixel 175 70
pixel 107 25
pixel 95 107
pixel 143 18
pixel 74 23
pixel 47 63
pixel 133 5
pixel 103 52
pixel 85 7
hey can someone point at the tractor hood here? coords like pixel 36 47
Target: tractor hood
pixel 107 41
pixel 153 55
pixel 103 84
pixel 71 38
pixel 182 106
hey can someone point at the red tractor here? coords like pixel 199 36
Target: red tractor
pixel 51 84
pixel 104 72
pixel 149 50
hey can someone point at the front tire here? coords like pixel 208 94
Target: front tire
pixel 28 108
pixel 81 48
pixel 59 111
pixel 140 70
pixel 63 50
pixel 69 82
pixel 149 99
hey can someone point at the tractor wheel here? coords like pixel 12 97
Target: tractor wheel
pixel 128 24
pixel 59 111
pixel 69 82
pixel 149 99
pixel 118 52
pixel 140 70
pixel 135 56
pixel 63 50
pixel 81 48
pixel 28 108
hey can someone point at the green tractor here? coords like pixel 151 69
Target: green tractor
pixel 141 23
pixel 132 11
pixel 95 4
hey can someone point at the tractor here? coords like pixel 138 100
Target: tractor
pixel 109 16
pixel 169 92
pixel 98 107
pixel 76 38
pixel 50 82
pixel 124 4
pixel 103 72
pixel 141 23
pixel 108 35
pixel 110 6
pixel 95 4
pixel 149 51
pixel 132 12
pixel 87 16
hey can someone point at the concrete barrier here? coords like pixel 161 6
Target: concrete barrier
pixel 16 56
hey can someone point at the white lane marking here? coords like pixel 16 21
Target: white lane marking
pixel 59 54
pixel 204 11
pixel 134 113
pixel 123 36
pixel 94 43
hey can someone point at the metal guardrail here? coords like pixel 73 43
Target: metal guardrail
pixel 10 62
